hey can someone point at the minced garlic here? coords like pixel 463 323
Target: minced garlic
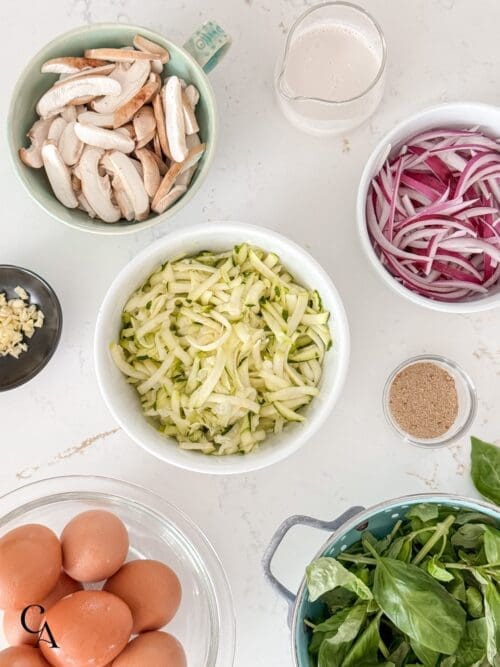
pixel 18 321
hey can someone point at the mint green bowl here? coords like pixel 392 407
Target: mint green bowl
pixel 32 84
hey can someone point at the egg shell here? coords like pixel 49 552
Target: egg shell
pixel 30 565
pixel 22 656
pixel 95 545
pixel 152 648
pixel 151 590
pixel 91 629
pixel 13 629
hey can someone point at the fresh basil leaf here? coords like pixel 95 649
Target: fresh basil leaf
pixel 365 649
pixel 399 654
pixel 325 574
pixel 485 469
pixel 334 649
pixel 425 512
pixel 466 516
pixel 472 648
pixel 469 536
pixel 340 598
pixel 492 545
pixel 400 549
pixel 326 629
pixel 426 656
pixel 492 616
pixel 437 570
pixel 418 605
pixel 457 587
pixel 474 602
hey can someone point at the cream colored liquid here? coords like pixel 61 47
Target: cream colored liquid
pixel 332 62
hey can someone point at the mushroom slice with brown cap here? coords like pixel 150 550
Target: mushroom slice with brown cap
pixel 65 93
pixel 190 122
pixel 102 138
pixel 126 112
pixel 193 157
pixel 68 65
pixel 58 174
pixel 101 70
pixel 162 166
pixel 69 114
pixel 166 184
pixel 56 129
pixel 174 118
pixel 186 174
pixel 84 205
pixel 124 169
pixel 124 204
pixel 170 198
pixel 32 156
pixel 146 45
pixel 160 126
pixel 151 172
pixel 144 126
pixel 96 188
pixel 120 55
pixel 70 145
pixel 97 119
pixel 131 81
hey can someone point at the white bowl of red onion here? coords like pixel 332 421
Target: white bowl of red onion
pixel 428 207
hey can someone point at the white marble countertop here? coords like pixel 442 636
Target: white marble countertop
pixel 267 173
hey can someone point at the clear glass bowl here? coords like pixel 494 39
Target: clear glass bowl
pixel 467 401
pixel 205 622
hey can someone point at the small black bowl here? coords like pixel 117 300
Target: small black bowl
pixel 43 344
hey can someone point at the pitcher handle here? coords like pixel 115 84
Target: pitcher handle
pixel 303 520
pixel 208 45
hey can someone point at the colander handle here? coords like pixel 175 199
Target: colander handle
pixel 298 519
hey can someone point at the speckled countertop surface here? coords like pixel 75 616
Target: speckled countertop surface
pixel 266 173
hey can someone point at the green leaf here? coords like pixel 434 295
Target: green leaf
pixel 326 629
pixel 469 536
pixel 399 654
pixel 437 570
pixel 365 649
pixel 457 587
pixel 400 549
pixel 426 656
pixel 474 602
pixel 492 545
pixel 492 616
pixel 418 605
pixel 334 649
pixel 425 512
pixel 485 469
pixel 338 599
pixel 472 648
pixel 325 574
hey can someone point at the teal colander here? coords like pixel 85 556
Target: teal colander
pixel 347 529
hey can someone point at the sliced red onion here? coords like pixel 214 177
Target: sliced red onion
pixel 433 214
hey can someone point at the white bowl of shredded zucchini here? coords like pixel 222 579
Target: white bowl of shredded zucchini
pixel 222 347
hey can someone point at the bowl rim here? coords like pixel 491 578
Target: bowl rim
pixel 117 229
pixel 238 463
pixel 376 157
pixel 361 517
pixel 155 503
pixel 57 334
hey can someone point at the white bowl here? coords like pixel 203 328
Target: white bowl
pixel 121 398
pixel 454 115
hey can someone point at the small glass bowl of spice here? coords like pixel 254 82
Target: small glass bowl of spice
pixel 430 401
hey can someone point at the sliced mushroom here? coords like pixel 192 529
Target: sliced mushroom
pixel 161 136
pixel 120 55
pixel 32 156
pixel 130 81
pixel 101 70
pixel 69 114
pixel 84 205
pixel 127 130
pixel 68 65
pixel 126 112
pixel 174 118
pixel 97 119
pixel 170 198
pixel 67 92
pixel 151 171
pixel 186 174
pixel 70 145
pixel 156 66
pixel 166 185
pixel 193 95
pixel 161 165
pixel 190 122
pixel 123 169
pixel 58 174
pixel 193 157
pixel 124 204
pixel 102 138
pixel 157 147
pixel 146 45
pixel 56 129
pixel 144 126
pixel 96 188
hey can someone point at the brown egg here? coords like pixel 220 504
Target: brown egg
pixel 95 545
pixel 151 590
pixel 13 629
pixel 152 648
pixel 91 629
pixel 22 656
pixel 30 564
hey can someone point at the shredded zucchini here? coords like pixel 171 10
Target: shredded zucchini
pixel 223 349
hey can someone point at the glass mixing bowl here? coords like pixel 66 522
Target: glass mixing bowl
pixel 205 622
